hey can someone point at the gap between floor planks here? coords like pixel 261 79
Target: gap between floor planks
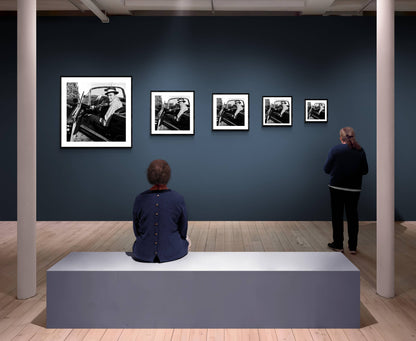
pixel 381 319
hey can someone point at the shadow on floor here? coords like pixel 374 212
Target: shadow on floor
pixel 366 319
pixel 40 320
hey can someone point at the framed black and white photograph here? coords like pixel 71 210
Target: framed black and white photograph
pixel 277 111
pixel 230 111
pixel 96 112
pixel 172 112
pixel 316 110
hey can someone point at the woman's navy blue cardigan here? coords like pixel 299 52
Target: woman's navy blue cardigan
pixel 160 224
pixel 346 166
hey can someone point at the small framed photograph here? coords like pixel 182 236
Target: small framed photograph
pixel 277 111
pixel 316 110
pixel 172 112
pixel 96 112
pixel 230 111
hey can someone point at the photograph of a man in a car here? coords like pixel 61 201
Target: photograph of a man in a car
pixel 316 110
pixel 231 111
pixel 277 111
pixel 97 111
pixel 172 112
pixel 100 116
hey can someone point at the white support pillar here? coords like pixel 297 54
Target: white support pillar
pixel 26 148
pixel 385 148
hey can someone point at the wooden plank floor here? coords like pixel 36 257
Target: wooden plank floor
pixel 381 319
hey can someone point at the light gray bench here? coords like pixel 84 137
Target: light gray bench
pixel 204 290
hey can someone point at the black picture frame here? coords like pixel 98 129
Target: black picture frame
pixel 277 111
pixel 96 111
pixel 172 112
pixel 316 110
pixel 230 111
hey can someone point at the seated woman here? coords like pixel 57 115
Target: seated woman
pixel 160 220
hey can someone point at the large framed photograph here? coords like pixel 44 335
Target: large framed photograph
pixel 277 111
pixel 230 111
pixel 96 111
pixel 316 110
pixel 172 112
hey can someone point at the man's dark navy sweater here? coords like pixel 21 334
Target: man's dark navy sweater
pixel 346 166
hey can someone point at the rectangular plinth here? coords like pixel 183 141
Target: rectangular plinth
pixel 204 290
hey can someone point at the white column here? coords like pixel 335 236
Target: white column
pixel 385 148
pixel 26 148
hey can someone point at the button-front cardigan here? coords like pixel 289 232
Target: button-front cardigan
pixel 160 224
pixel 346 166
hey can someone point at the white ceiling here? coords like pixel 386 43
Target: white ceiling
pixel 192 7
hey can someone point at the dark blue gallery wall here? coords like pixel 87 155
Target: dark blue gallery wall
pixel 405 119
pixel 265 173
pixel 8 119
pixel 261 174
